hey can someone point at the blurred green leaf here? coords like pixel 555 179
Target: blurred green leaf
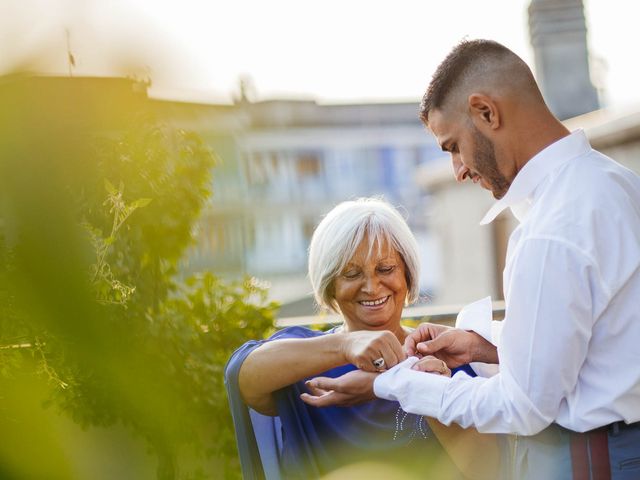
pixel 141 202
pixel 109 187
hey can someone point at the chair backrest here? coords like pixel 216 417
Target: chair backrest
pixel 258 437
pixel 268 434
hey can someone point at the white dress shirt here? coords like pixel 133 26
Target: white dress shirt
pixel 569 348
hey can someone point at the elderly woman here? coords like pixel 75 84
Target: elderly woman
pixel 363 263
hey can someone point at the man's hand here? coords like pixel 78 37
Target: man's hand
pixel 352 388
pixel 456 347
pixel 424 332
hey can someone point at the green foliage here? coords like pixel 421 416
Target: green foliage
pixel 91 298
pixel 198 329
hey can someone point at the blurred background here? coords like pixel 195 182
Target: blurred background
pixel 163 166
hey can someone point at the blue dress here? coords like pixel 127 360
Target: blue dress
pixel 310 442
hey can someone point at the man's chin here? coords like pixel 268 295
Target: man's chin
pixel 488 187
pixel 497 192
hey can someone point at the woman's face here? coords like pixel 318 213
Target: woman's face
pixel 371 290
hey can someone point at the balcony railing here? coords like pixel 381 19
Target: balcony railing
pixel 441 314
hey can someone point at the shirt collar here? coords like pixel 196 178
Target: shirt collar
pixel 520 193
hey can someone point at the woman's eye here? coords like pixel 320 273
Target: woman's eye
pixel 350 275
pixel 387 269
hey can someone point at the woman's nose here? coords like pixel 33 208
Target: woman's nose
pixel 371 283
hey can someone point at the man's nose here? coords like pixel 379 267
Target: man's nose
pixel 459 170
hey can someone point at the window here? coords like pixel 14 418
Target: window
pixel 308 165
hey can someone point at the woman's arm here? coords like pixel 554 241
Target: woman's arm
pixel 279 363
pixel 276 364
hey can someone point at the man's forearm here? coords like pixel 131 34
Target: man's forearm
pixel 483 350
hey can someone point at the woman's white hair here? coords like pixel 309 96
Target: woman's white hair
pixel 337 237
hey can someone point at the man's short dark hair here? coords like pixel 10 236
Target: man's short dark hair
pixel 465 58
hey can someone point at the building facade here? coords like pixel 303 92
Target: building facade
pixel 285 163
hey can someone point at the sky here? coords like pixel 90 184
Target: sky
pixel 334 51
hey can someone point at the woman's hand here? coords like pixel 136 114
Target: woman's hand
pixel 352 388
pixel 364 349
pixel 431 364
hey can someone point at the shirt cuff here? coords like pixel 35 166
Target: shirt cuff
pixel 485 370
pixel 477 316
pixel 417 392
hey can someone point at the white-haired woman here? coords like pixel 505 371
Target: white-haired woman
pixel 363 264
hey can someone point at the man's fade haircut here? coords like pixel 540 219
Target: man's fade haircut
pixel 467 59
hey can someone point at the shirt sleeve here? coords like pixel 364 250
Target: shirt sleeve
pixel 544 342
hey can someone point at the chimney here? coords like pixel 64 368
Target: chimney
pixel 559 38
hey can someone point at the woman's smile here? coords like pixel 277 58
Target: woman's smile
pixel 380 302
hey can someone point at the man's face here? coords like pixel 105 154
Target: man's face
pixel 472 154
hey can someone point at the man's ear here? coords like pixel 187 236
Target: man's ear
pixel 483 110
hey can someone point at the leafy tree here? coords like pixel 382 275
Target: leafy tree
pixel 91 296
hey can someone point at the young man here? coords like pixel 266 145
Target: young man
pixel 568 386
